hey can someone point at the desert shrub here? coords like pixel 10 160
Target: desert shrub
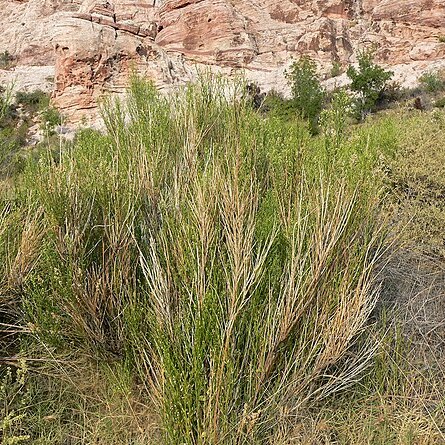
pixel 6 59
pixel 336 69
pixel 392 93
pixel 6 102
pixel 216 267
pixel 334 120
pixel 307 91
pixel 418 177
pixel 51 118
pixel 369 81
pixel 13 133
pixel 432 82
pixel 254 95
pixel 212 250
pixel 440 103
pixel 33 101
pixel 14 399
pixel 274 104
pixel 441 39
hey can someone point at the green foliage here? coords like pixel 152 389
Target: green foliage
pixel 418 179
pixel 369 81
pixel 205 246
pixel 207 263
pixel 276 105
pixel 334 121
pixel 432 82
pixel 51 118
pixel 440 103
pixel 12 132
pixel 336 69
pixel 307 91
pixel 33 101
pixel 6 60
pixel 16 118
pixel 6 104
pixel 14 398
pixel 441 39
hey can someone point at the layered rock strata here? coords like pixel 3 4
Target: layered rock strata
pixel 92 46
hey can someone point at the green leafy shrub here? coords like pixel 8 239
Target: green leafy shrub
pixel 369 81
pixel 307 92
pixel 432 82
pixel 441 39
pixel 274 104
pixel 33 101
pixel 51 118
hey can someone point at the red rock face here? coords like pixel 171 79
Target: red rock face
pixel 206 31
pixel 95 44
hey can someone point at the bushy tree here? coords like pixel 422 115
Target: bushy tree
pixel 369 81
pixel 432 82
pixel 307 91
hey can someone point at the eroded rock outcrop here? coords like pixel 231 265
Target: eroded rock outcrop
pixel 93 45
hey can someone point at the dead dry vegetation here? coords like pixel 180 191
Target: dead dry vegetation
pixel 203 274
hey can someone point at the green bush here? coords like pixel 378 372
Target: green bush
pixel 336 69
pixel 369 81
pixel 432 82
pixel 276 105
pixel 440 103
pixel 6 60
pixel 51 118
pixel 392 93
pixel 225 258
pixel 307 92
pixel 6 103
pixel 33 101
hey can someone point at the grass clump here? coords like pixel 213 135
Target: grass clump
pixel 216 253
pixel 213 271
pixel 432 82
pixel 440 103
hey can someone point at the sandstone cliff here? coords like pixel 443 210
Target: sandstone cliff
pixel 83 48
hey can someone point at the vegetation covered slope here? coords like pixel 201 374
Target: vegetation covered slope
pixel 202 274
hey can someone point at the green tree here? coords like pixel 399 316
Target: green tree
pixel 432 82
pixel 307 91
pixel 369 81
